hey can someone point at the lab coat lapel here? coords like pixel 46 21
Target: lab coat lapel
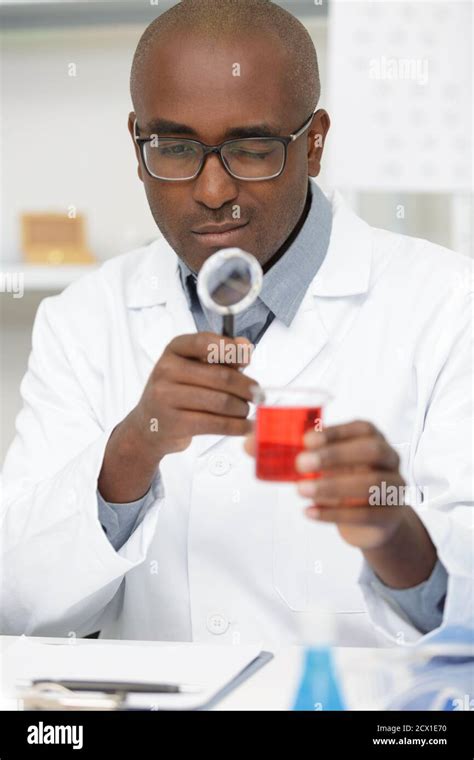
pixel 328 308
pixel 156 291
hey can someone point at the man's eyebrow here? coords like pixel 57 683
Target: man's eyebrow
pixel 254 130
pixel 164 126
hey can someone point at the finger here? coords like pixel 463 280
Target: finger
pixel 372 451
pixel 212 348
pixel 363 516
pixel 249 444
pixel 190 398
pixel 199 423
pixel 216 377
pixel 314 439
pixel 244 355
pixel 334 433
pixel 368 488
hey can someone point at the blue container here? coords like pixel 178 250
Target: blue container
pixel 318 688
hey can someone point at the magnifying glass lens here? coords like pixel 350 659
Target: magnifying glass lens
pixel 231 283
pixel 228 283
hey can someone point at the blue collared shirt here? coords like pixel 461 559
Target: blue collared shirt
pixel 283 288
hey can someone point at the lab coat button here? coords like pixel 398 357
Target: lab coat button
pixel 219 465
pixel 217 624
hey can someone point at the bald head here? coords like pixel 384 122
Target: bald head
pixel 215 19
pixel 216 71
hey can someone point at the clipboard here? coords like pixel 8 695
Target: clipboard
pixel 252 668
pixel 216 669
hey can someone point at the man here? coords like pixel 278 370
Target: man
pixel 131 507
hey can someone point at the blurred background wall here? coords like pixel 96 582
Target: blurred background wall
pixel 396 80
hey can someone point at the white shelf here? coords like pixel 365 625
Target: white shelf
pixel 62 13
pixel 44 277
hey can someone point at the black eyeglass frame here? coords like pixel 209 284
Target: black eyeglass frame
pixel 207 149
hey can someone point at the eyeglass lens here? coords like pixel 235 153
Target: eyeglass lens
pixel 169 158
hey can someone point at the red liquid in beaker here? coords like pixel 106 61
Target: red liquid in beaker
pixel 279 439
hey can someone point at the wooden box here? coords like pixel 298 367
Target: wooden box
pixel 54 239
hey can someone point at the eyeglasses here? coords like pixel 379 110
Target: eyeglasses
pixel 252 159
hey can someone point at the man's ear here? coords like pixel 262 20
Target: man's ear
pixel 316 139
pixel 131 122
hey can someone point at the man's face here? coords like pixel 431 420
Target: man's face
pixel 192 82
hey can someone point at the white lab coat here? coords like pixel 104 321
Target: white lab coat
pixel 220 556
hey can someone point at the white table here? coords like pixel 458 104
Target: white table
pixel 271 688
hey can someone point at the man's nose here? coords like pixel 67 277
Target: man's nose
pixel 214 186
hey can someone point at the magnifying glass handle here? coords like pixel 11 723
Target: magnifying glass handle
pixel 228 326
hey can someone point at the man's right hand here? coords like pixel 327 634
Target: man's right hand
pixel 186 395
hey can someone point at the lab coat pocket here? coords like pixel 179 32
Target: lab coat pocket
pixel 290 539
pixel 313 567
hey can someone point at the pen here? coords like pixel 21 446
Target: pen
pixel 111 687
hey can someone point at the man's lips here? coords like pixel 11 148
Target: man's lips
pixel 219 234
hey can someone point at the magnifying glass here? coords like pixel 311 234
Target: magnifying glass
pixel 228 283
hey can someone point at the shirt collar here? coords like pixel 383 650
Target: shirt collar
pixel 152 275
pixel 285 284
